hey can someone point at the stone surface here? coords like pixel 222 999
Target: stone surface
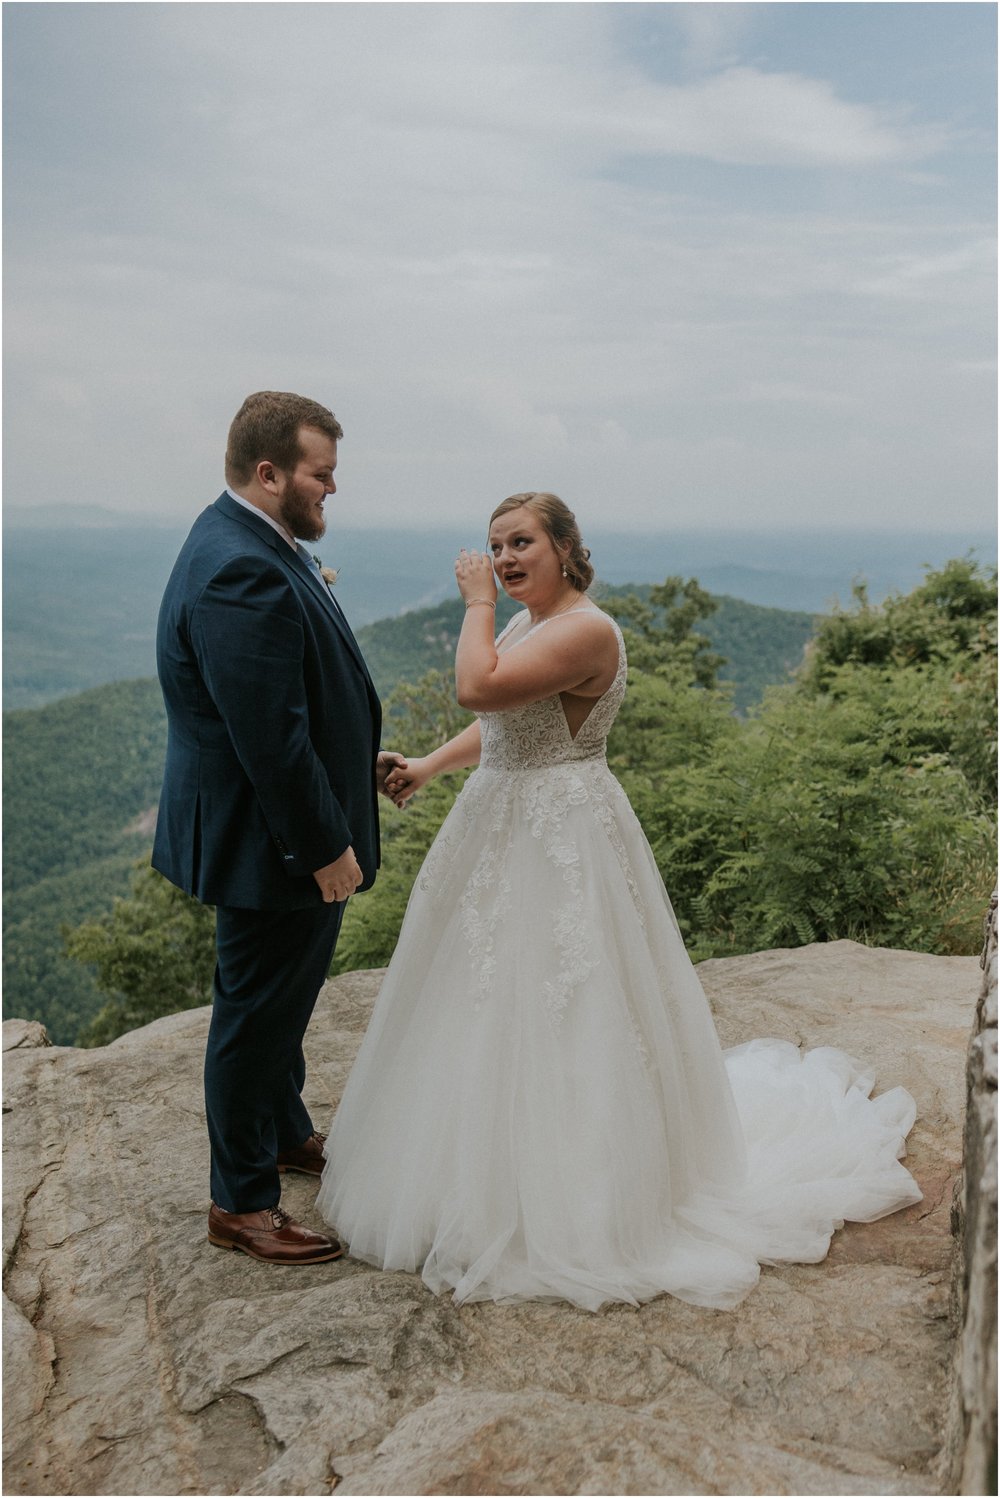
pixel 142 1360
pixel 973 1432
pixel 24 1034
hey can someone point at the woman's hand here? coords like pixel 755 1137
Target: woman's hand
pixel 403 780
pixel 386 761
pixel 474 575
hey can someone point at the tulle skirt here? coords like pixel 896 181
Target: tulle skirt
pixel 541 1107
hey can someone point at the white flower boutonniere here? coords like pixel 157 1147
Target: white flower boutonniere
pixel 328 574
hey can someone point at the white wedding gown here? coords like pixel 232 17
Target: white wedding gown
pixel 541 1108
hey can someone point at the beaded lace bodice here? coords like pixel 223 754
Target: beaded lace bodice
pixel 537 788
pixel 537 736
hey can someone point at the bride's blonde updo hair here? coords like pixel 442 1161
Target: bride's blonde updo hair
pixel 559 524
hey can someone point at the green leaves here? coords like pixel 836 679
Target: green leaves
pixel 154 953
pixel 857 803
pixel 951 617
pixel 660 635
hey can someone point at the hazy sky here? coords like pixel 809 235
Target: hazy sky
pixel 684 264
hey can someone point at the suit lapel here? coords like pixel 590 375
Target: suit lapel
pixel 320 588
pixel 302 569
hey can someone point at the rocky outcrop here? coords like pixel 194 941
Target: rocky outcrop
pixel 974 1422
pixel 142 1360
pixel 24 1034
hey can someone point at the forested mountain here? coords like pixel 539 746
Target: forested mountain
pixel 759 646
pixel 78 776
pixel 82 773
pixel 859 801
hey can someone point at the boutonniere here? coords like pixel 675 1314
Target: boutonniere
pixel 328 574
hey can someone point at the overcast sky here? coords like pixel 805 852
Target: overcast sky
pixel 715 264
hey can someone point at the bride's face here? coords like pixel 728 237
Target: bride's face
pixel 525 560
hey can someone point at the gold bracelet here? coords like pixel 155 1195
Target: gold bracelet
pixel 489 602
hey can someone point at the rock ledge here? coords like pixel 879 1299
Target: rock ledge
pixel 141 1360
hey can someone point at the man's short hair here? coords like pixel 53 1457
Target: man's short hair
pixel 266 429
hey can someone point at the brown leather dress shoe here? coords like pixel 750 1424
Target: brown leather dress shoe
pixel 308 1158
pixel 270 1235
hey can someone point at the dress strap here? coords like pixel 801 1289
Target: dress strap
pixel 579 608
pixel 509 626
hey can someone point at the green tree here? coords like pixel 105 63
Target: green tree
pixel 818 822
pixel 420 715
pixel 41 981
pixel 933 655
pixel 660 633
pixel 154 954
pixel 858 803
pixel 953 612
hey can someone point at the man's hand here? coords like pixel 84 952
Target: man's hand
pixel 386 762
pixel 406 778
pixel 339 879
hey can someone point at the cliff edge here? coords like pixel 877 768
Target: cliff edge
pixel 142 1360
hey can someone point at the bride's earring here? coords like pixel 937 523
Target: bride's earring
pixel 565 573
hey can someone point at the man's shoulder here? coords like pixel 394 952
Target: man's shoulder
pixel 219 548
pixel 224 517
pixel 223 531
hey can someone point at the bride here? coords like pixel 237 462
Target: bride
pixel 541 1107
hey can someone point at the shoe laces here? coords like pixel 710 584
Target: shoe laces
pixel 279 1216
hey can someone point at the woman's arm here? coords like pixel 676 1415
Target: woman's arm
pixel 577 654
pixel 459 753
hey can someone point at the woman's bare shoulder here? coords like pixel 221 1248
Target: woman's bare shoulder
pixel 586 619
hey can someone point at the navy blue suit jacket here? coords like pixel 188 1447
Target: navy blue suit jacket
pixel 273 722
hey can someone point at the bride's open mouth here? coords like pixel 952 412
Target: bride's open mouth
pixel 512 577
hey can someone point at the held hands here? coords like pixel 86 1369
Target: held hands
pixel 474 575
pixel 396 778
pixel 406 778
pixel 384 763
pixel 339 880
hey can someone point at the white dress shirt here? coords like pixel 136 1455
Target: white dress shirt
pixel 256 510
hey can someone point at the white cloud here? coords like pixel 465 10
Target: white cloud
pixel 431 217
pixel 969 268
pixel 712 34
pixel 747 117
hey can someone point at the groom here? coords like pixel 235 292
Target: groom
pixel 268 809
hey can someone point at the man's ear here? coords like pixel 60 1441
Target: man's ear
pixel 267 478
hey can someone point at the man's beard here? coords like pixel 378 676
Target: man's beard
pixel 299 516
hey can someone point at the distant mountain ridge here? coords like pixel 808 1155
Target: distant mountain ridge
pixel 64 517
pixel 760 645
pixel 82 589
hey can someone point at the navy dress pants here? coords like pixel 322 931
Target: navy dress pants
pixel 271 966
